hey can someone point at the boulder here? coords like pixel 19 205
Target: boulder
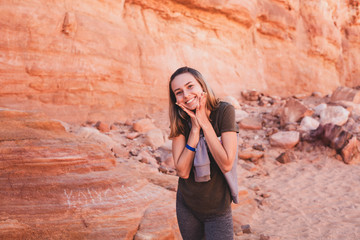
pixel 143 125
pixel 285 139
pixel 308 123
pixel 345 94
pixel 336 115
pixel 250 154
pixel 293 111
pixel 319 108
pixel 251 123
pixel 154 138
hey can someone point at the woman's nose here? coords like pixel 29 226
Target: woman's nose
pixel 186 93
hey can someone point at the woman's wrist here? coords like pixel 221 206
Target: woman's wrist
pixel 206 126
pixel 195 130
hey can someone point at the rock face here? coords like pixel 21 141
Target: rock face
pixel 58 183
pixel 55 185
pixel 107 60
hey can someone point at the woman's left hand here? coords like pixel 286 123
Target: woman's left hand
pixel 201 111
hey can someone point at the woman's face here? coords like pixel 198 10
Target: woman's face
pixel 187 90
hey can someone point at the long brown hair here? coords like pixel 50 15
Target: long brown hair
pixel 178 117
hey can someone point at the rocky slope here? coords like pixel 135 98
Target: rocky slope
pixel 95 181
pixel 106 60
pixel 55 185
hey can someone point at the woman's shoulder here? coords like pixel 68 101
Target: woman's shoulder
pixel 224 105
pixel 223 109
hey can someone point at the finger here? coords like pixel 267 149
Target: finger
pixel 190 113
pixel 203 99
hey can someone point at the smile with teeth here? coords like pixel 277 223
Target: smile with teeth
pixel 190 101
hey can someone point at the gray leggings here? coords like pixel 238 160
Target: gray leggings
pixel 197 226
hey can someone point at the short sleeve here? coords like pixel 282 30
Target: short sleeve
pixel 228 123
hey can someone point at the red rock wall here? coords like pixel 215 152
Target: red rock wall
pixel 108 60
pixel 55 185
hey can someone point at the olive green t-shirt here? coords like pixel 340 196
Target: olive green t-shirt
pixel 211 197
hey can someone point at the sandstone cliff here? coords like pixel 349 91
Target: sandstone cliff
pixel 106 60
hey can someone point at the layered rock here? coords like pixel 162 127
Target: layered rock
pixel 56 185
pixel 108 60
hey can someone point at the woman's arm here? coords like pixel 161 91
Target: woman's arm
pixel 183 157
pixel 223 153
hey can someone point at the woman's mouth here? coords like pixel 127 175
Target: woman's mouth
pixel 190 101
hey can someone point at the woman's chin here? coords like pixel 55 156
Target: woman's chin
pixel 192 107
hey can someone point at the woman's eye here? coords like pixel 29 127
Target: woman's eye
pixel 177 93
pixel 191 86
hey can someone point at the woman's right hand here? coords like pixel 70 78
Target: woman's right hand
pixel 195 126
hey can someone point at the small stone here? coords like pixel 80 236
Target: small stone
pixel 246 229
pixel 132 135
pixel 291 127
pixel 102 127
pixel 271 131
pixel 286 157
pixel 264 237
pixel 284 139
pixel 251 123
pixel 250 95
pixel 265 195
pixel 258 147
pixel 114 127
pixel 134 152
pixel 249 166
pixel 143 125
pixel 163 169
pixel 316 94
pixel 255 187
pixel 309 123
pixel 351 152
pixel 250 154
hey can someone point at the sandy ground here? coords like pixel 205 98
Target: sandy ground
pixel 316 197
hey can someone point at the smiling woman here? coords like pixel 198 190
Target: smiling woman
pixel 192 78
pixel 197 121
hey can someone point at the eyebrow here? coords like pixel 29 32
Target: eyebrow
pixel 184 85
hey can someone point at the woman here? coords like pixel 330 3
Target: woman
pixel 202 129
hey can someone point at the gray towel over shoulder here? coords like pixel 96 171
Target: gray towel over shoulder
pixel 202 169
pixel 201 162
